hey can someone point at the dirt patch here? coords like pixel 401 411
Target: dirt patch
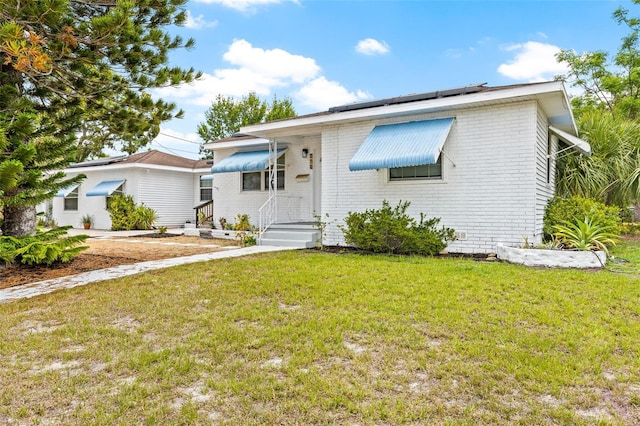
pixel 105 253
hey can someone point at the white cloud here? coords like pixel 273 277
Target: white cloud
pixel 275 63
pixel 244 5
pixel 258 70
pixel 370 46
pixel 321 94
pixel 263 71
pixel 533 61
pixel 197 22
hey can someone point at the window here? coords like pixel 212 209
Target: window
pixel 118 191
pixel 71 201
pixel 251 180
pixel 279 171
pixel 206 189
pixel 426 171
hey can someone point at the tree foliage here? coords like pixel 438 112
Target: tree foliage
pixel 612 85
pixel 82 67
pixel 227 115
pixel 608 117
pixel 612 173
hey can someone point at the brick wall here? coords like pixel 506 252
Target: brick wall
pixel 489 180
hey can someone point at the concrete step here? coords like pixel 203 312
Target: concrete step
pixel 288 243
pixel 293 227
pixel 300 235
pixel 291 235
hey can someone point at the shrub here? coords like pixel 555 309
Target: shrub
pixel 244 230
pixel 144 217
pixel 126 215
pixel 630 228
pixel 42 248
pixel 391 230
pixel 560 211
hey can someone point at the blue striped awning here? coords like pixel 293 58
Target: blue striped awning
pixel 104 188
pixel 249 161
pixel 66 191
pixel 401 145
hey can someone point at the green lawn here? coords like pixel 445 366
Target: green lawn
pixel 306 337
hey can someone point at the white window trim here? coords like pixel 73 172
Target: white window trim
pixel 419 180
pixel 200 188
pixel 73 195
pixel 264 175
pixel 118 191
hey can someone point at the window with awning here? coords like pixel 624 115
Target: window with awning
pixel 415 143
pixel 247 161
pixel 64 192
pixel 106 188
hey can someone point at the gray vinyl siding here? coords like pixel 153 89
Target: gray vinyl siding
pixel 169 193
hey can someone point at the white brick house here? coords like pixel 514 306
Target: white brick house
pixel 169 184
pixel 489 175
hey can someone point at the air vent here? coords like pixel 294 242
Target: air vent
pixel 461 235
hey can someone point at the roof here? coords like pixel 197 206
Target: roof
pixel 550 95
pixel 154 157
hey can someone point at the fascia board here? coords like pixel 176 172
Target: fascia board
pixel 250 143
pixel 79 170
pixel 408 108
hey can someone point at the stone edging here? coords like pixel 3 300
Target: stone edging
pixel 552 258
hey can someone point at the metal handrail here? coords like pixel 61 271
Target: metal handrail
pixel 267 216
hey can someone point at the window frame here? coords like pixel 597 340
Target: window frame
pixel 435 178
pixel 206 188
pixel 118 191
pixel 73 195
pixel 264 177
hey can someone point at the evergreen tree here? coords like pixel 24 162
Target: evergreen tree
pixel 226 116
pixel 83 67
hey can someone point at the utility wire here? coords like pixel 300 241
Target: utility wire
pixel 180 139
pixel 172 150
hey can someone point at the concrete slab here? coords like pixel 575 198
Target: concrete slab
pixel 43 287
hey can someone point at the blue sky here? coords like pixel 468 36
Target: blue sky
pixel 322 53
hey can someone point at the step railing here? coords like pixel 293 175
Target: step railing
pixel 268 213
pixel 204 212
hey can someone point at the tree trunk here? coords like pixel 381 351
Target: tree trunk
pixel 19 221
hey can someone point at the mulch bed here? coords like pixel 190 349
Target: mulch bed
pixel 102 254
pixel 155 235
pixel 23 274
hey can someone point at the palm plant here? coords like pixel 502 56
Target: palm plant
pixel 586 235
pixel 612 173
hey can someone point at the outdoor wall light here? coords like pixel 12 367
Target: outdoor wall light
pixel 305 152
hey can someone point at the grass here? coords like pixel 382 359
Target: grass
pixel 316 338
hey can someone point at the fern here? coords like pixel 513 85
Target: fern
pixel 42 248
